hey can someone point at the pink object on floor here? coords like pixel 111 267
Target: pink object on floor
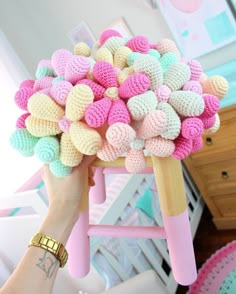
pixel 180 247
pixel 22 96
pixel 105 35
pixel 78 247
pixel 97 193
pixel 20 123
pixel 138 44
pixel 191 128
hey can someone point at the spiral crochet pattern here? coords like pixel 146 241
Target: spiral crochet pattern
pixel 123 97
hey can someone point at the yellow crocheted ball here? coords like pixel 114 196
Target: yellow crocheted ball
pixel 216 85
pixel 41 128
pixel 83 49
pixel 69 155
pixel 104 54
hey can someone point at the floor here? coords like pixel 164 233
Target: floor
pixel 207 240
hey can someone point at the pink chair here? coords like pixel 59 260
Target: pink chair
pixel 176 229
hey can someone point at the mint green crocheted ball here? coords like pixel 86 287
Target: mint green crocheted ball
pixel 57 79
pixel 44 71
pixel 131 58
pixel 47 149
pixel 154 53
pixel 27 153
pixel 22 140
pixel 59 169
pixel 167 60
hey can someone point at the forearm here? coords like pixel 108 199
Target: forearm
pixel 38 268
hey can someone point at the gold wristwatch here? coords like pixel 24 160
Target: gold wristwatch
pixel 51 245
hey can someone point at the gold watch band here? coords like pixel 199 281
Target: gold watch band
pixel 51 245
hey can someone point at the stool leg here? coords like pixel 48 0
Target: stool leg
pixel 171 191
pixel 97 193
pixel 78 245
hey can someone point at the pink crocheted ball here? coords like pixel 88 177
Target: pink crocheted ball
pixel 120 134
pixel 44 62
pixel 76 69
pixel 20 123
pixel 118 113
pixel 193 86
pixel 212 105
pixel 197 144
pixel 138 44
pixel 163 93
pixel 105 74
pixel 22 96
pixel 64 124
pixel 135 161
pixel 60 91
pixel 196 69
pixel 183 148
pixel 42 83
pixel 134 85
pixel 160 147
pixel 208 122
pixel 98 90
pixel 60 58
pixel 167 45
pixel 105 35
pixel 109 153
pixel 97 113
pixel 27 84
pixel 192 127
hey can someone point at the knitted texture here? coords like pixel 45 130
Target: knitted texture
pixel 197 144
pixel 151 67
pixel 183 148
pixel 192 127
pixel 167 60
pixel 160 147
pixel 138 44
pixel 187 103
pixel 109 153
pixel 69 155
pixel 195 69
pixel 118 113
pixel 60 59
pixel 98 90
pixel 121 55
pixel 47 149
pixel 173 124
pixel 124 74
pixel 154 53
pixel 216 85
pixel 167 45
pixel 20 123
pixel 42 83
pixel 135 161
pixel 208 122
pixel 105 74
pixel 153 124
pixel 44 62
pixel 107 34
pixel 22 140
pixel 193 86
pixel 60 91
pixel 104 54
pixel 22 96
pixel 41 128
pixel 120 134
pixel 215 127
pixel 176 76
pixel 44 71
pixel 212 105
pixel 82 49
pixel 140 105
pixel 76 69
pixel 85 139
pixel 163 93
pixel 27 84
pixel 64 124
pixel 59 169
pixel 113 43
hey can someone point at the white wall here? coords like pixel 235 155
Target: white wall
pixel 37 28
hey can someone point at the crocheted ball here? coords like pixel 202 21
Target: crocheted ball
pixel 85 139
pixel 27 84
pixel 192 127
pixel 41 128
pixel 79 98
pixel 83 49
pixel 153 52
pixel 47 149
pixel 69 155
pixel 59 169
pixel 131 58
pixel 76 69
pixel 105 74
pixel 208 122
pixel 183 148
pixel 20 123
pixel 60 91
pixel 212 105
pixel 107 34
pixel 97 113
pixel 57 79
pixel 109 153
pixel 113 43
pixel 160 147
pixel 135 161
pixel 64 124
pixel 137 144
pixel 176 76
pixel 44 62
pixel 22 140
pixel 98 90
pixel 187 103
pixel 153 124
pixel 150 66
pixel 167 45
pixel 216 85
pixel 118 113
pixel 138 44
pixel 197 144
pixel 163 93
pixel 27 153
pixel 167 59
pixel 60 58
pixel 193 86
pixel 44 71
pixel 215 127
pixel 22 96
pixel 124 74
pixel 120 134
pixel 173 124
pixel 121 55
pixel 140 105
pixel 196 69
pixel 134 85
pixel 43 83
pixel 104 54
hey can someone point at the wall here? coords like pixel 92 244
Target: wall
pixel 37 28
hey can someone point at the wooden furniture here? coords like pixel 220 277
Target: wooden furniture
pixel 214 170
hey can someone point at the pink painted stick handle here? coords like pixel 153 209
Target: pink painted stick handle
pixel 180 247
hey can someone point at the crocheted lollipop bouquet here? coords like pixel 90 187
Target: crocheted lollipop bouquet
pixel 126 97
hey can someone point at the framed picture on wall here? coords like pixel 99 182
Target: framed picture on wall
pixel 199 26
pixel 232 5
